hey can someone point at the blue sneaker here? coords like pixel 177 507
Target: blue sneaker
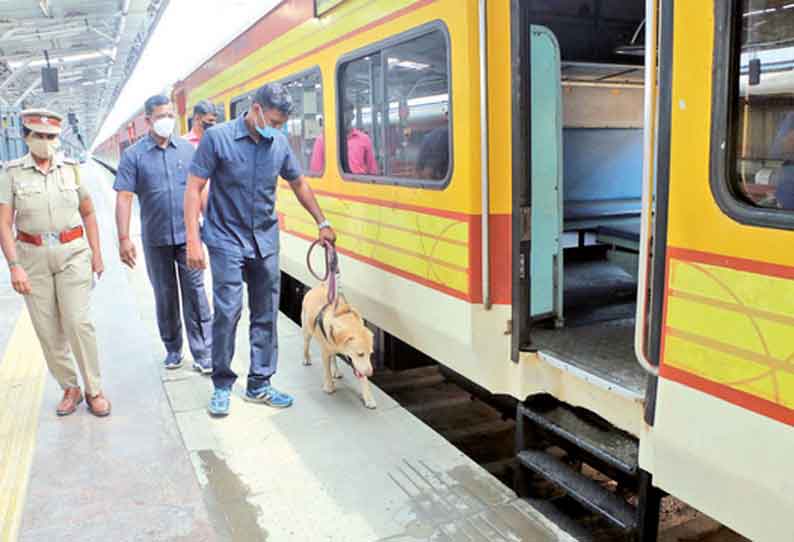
pixel 270 396
pixel 204 366
pixel 173 360
pixel 219 403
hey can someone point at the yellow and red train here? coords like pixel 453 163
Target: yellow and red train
pixel 608 230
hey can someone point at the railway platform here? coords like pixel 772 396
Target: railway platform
pixel 159 468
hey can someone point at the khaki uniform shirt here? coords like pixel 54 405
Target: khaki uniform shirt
pixel 44 202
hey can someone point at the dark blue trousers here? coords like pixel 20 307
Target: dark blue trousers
pixel 263 280
pixel 170 275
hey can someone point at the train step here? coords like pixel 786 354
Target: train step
pixel 584 490
pixel 556 441
pixel 606 445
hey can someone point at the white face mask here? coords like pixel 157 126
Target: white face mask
pixel 164 127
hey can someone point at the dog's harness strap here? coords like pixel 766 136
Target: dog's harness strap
pixel 318 322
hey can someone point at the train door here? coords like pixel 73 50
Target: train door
pixel 546 174
pixel 720 435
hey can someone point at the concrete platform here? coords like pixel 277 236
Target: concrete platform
pixel 161 469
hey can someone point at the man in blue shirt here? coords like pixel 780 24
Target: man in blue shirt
pixel 244 157
pixel 155 168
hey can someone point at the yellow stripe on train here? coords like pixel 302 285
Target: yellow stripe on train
pixel 307 36
pixel 733 328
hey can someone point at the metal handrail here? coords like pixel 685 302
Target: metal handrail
pixel 649 128
pixel 484 162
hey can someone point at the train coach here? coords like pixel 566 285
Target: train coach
pixel 581 205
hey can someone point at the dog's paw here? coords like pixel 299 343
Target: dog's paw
pixel 307 362
pixel 370 404
pixel 329 388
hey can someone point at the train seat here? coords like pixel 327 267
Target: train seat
pixel 602 178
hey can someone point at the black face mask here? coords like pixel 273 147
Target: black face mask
pixel 207 125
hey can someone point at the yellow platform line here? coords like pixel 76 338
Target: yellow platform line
pixel 22 371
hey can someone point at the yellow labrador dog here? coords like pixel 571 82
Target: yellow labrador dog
pixel 339 329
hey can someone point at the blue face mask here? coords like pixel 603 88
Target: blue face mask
pixel 268 132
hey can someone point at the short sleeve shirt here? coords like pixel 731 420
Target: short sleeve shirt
pixel 158 176
pixel 43 201
pixel 241 211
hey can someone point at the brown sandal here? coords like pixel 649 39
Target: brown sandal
pixel 98 405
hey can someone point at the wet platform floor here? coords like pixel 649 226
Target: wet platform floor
pixel 161 469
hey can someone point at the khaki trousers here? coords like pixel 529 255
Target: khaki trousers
pixel 59 305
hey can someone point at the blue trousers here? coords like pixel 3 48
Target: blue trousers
pixel 169 274
pixel 263 280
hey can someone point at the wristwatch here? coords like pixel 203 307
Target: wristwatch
pixel 323 224
pixel 13 264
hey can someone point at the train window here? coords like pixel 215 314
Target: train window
pixel 361 116
pixel 754 179
pixel 305 125
pixel 395 103
pixel 220 112
pixel 418 122
pixel 241 104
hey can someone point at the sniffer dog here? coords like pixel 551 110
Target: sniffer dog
pixel 339 329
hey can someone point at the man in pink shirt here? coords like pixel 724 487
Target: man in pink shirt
pixel 360 156
pixel 204 118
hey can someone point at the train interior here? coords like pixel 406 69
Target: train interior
pixel 586 186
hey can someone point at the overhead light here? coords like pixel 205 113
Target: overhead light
pixel 14 64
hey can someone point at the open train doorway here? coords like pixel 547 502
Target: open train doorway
pixel 586 138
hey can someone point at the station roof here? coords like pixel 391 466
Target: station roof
pixel 94 44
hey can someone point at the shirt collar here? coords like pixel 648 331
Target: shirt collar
pixel 27 161
pixel 151 143
pixel 56 161
pixel 240 129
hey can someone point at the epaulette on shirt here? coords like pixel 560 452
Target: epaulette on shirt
pixel 71 161
pixel 16 162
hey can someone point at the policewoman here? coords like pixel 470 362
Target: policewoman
pixel 53 257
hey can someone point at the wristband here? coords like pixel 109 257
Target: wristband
pixel 323 224
pixel 124 238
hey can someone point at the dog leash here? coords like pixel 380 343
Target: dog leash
pixel 331 269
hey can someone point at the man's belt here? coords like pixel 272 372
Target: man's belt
pixel 51 238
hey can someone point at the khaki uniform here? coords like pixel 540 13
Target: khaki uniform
pixel 60 275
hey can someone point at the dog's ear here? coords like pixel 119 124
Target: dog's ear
pixel 341 309
pixel 341 336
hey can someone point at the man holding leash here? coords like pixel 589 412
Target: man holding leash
pixel 244 157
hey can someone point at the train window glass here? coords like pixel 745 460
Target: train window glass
pixel 418 130
pixel 763 108
pixel 220 112
pixel 395 103
pixel 305 125
pixel 240 105
pixel 361 116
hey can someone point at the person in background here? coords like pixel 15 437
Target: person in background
pixel 782 148
pixel 245 157
pixel 155 169
pixel 204 117
pixel 359 157
pixel 433 159
pixel 55 255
